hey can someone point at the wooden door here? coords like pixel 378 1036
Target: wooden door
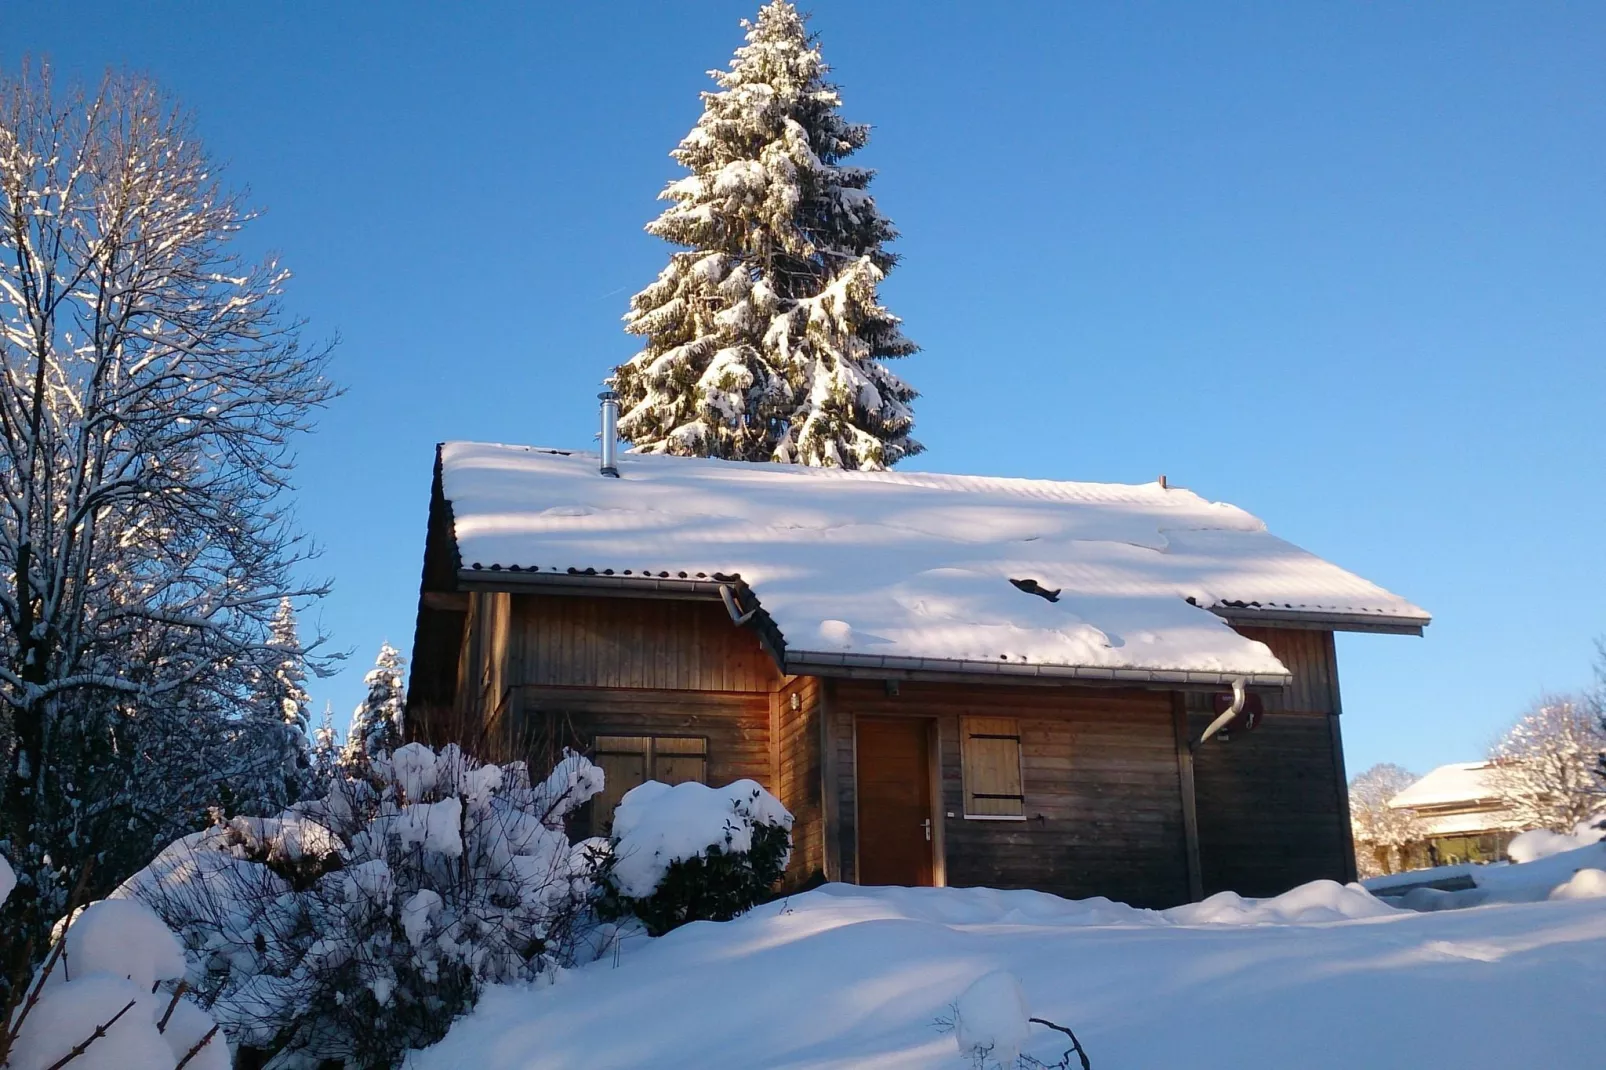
pixel 895 819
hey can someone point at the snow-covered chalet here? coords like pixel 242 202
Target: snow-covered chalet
pixel 948 679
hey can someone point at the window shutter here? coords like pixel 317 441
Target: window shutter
pixel 623 761
pixel 678 760
pixel 991 765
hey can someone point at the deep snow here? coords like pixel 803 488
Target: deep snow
pixel 1324 977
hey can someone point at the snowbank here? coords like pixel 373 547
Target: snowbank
pixel 656 825
pixel 1498 882
pixel 856 977
pixel 1535 844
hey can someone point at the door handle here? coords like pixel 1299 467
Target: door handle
pixel 927 824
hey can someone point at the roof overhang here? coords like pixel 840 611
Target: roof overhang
pixel 1320 620
pixel 844 664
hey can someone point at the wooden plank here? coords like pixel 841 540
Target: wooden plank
pixel 1190 807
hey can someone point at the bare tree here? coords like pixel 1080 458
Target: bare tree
pixel 149 387
pixel 1381 833
pixel 1548 765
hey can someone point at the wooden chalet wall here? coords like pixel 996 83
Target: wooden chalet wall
pixel 1103 806
pixel 795 736
pixel 1273 806
pixel 539 672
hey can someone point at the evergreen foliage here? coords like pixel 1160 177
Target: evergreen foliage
pixel 716 886
pixel 764 337
pixel 376 724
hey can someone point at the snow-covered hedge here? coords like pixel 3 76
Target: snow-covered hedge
pixel 693 853
pixel 106 998
pixel 359 925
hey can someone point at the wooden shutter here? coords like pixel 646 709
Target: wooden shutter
pixel 991 764
pixel 624 762
pixel 678 760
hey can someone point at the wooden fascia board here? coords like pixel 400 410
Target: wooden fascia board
pixel 1321 621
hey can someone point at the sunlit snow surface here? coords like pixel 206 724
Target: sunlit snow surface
pixel 912 565
pixel 1323 978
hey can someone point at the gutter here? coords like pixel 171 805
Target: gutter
pixel 726 589
pixel 1321 620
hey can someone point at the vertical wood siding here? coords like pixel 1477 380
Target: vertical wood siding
pixel 666 644
pixel 795 743
pixel 1272 804
pixel 1103 799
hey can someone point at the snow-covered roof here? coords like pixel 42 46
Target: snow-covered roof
pixel 908 568
pixel 1460 783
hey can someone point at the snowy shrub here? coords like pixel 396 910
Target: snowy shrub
pixel 692 853
pixel 359 925
pixel 107 998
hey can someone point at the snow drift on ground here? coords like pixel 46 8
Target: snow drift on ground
pixel 1322 978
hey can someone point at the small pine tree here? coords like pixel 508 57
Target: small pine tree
pixel 325 747
pixel 764 337
pixel 376 724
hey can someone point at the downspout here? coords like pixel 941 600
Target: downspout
pixel 1225 718
pixel 727 594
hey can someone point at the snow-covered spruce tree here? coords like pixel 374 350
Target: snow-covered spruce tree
pixel 376 724
pixel 283 695
pixel 1381 833
pixel 1548 765
pixel 150 385
pixel 357 926
pixel 764 338
pixel 325 750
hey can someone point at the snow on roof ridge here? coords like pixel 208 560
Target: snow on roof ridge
pixel 918 569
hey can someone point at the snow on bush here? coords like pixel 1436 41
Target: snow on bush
pixel 104 999
pixel 359 925
pixel 991 1020
pixel 691 852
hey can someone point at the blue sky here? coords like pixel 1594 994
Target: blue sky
pixel 1341 264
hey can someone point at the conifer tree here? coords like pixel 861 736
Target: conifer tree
pixel 325 748
pixel 290 674
pixel 376 724
pixel 764 338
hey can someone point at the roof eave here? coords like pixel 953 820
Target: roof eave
pixel 1322 620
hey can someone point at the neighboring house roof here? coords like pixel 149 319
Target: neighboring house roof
pixel 913 569
pixel 1457 800
pixel 1460 784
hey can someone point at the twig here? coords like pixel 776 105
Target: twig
pixel 100 1031
pixel 193 1052
pixel 57 953
pixel 1076 1045
pixel 178 993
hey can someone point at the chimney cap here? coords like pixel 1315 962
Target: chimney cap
pixel 608 395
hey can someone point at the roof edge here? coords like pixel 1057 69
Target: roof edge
pixel 1322 620
pixel 832 663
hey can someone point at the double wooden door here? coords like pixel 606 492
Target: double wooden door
pixel 896 830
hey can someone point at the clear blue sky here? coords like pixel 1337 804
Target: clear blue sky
pixel 1341 264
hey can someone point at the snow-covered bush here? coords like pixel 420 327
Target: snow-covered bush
pixel 359 925
pixel 106 998
pixel 692 853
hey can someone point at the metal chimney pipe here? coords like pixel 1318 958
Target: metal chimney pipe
pixel 610 433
